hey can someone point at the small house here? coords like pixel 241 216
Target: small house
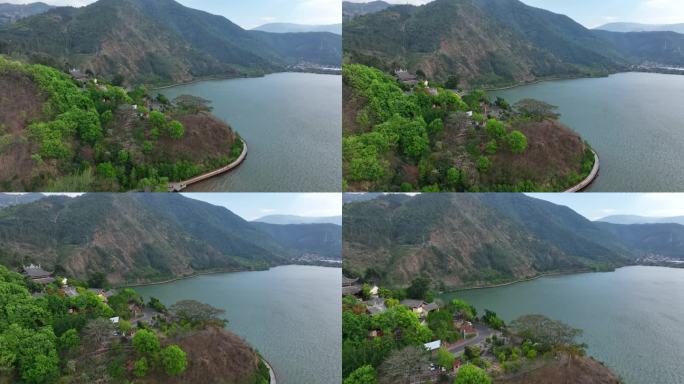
pixel 37 274
pixel 405 77
pixel 78 76
pixel 432 346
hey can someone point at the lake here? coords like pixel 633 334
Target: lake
pixel 290 314
pixel 292 123
pixel 633 120
pixel 632 318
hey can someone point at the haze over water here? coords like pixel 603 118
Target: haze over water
pixel 290 314
pixel 292 123
pixel 635 121
pixel 632 318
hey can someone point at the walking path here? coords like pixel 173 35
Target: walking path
pixel 271 371
pixel 179 186
pixel 590 179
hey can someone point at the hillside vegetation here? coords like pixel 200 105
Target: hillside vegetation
pixel 136 238
pixel 428 138
pixel 158 42
pixel 59 136
pixel 466 240
pixel 48 336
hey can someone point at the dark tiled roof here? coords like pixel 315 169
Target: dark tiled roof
pixel 351 290
pixel 411 303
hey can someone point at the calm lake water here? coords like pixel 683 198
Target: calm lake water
pixel 292 123
pixel 632 318
pixel 633 120
pixel 290 314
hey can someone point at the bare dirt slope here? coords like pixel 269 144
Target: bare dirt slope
pixel 567 369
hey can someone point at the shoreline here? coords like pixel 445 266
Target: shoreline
pixel 214 272
pixel 182 185
pixel 271 371
pixel 589 180
pixel 544 80
pixel 223 78
pixel 519 281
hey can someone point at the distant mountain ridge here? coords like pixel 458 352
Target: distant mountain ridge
pixel 8 200
pixel 352 10
pixel 636 219
pixel 136 238
pixel 159 41
pixel 293 219
pixel 465 240
pixel 491 43
pixel 9 13
pixel 638 27
pixel 299 28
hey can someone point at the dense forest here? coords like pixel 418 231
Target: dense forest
pixel 70 334
pixel 91 136
pixel 400 137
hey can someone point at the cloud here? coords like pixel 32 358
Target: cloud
pixel 661 204
pixel 318 11
pixel 661 11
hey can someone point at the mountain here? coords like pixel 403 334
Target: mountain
pixel 159 41
pixel 352 10
pixel 635 219
pixel 497 42
pixel 468 239
pixel 660 47
pixel 138 237
pixel 292 219
pixel 637 27
pixel 665 240
pixel 446 37
pixel 320 240
pixel 8 200
pixel 299 28
pixel 9 13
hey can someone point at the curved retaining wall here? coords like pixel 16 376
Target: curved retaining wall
pixel 179 186
pixel 590 179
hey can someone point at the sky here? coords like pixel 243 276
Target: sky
pixel 598 205
pixel 250 13
pixel 251 206
pixel 594 13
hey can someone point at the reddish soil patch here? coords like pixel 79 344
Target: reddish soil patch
pixel 567 369
pixel 554 152
pixel 214 356
pixel 351 106
pixel 205 136
pixel 21 103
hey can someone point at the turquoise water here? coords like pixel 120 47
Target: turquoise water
pixel 290 314
pixel 292 123
pixel 632 318
pixel 635 121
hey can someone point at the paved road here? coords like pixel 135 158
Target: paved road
pixel 483 332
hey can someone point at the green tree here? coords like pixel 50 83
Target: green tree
pixel 545 332
pixel 517 142
pixel 453 177
pixel 536 110
pixel 470 374
pixel 495 128
pixel 107 171
pixel 419 288
pixel 445 358
pixel 436 127
pixel 146 342
pixel 483 164
pixel 493 320
pixel 176 130
pixel 140 367
pixel 452 82
pixel 69 340
pixel 173 360
pixel 125 326
pixel 158 120
pixel 363 375
pixel 197 313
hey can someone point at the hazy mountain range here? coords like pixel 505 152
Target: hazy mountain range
pixel 10 13
pixel 474 239
pixel 292 219
pixel 145 237
pixel 299 28
pixel 496 42
pixel 159 41
pixel 637 27
pixel 635 219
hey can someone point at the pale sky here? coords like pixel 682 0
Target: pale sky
pixel 598 205
pixel 594 13
pixel 250 13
